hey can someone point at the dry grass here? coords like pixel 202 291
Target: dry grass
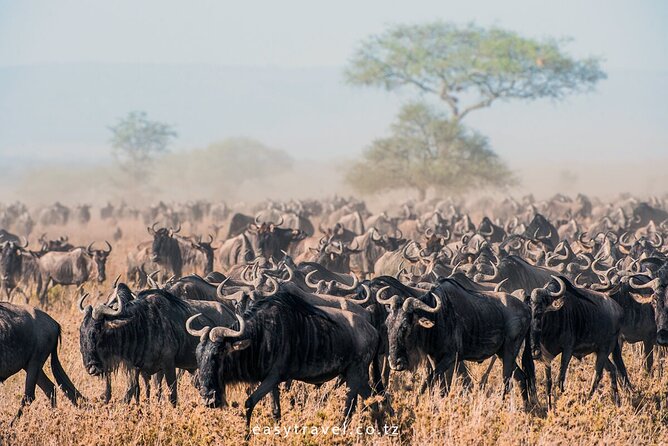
pixel 476 417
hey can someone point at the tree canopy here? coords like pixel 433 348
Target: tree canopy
pixel 470 67
pixel 136 140
pixel 426 149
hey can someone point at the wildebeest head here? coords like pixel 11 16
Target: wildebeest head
pixel 95 321
pixel 214 346
pixel 10 264
pixel 60 244
pixel 404 319
pixel 164 244
pixel 545 300
pixel 207 249
pixel 99 256
pixel 658 299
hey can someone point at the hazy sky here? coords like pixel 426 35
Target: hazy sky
pixel 627 114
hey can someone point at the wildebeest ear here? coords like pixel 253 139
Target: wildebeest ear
pixel 425 323
pixel 556 304
pixel 240 345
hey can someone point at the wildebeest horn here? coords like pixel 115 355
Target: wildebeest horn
pixel 345 287
pixel 367 295
pixel 311 283
pixel 405 255
pixel 589 244
pixel 89 250
pixel 25 245
pixel 219 289
pixel 392 301
pixel 274 288
pixel 487 278
pixel 151 229
pixel 291 272
pixel 654 283
pixel 375 231
pixel 280 221
pixel 398 233
pixel 218 334
pixel 116 281
pixel 177 230
pixel 257 220
pixel 659 243
pixel 199 333
pixel 416 304
pixel 562 287
pixel 81 301
pixel 623 240
pixel 497 288
pixel 102 310
pixel 151 281
pixel 109 246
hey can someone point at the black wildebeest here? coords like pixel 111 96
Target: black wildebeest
pixel 452 323
pixel 576 322
pixel 286 338
pixel 72 267
pixel 146 333
pixel 28 336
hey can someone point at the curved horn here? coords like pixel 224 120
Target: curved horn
pixel 191 331
pixel 416 304
pixel 81 301
pixel 497 288
pixel 274 288
pixel 109 246
pixel 344 287
pixel 311 283
pixel 219 289
pixel 392 300
pixel 659 243
pixel 487 278
pixel 653 284
pixel 367 295
pixel 116 281
pixel 218 334
pixel 103 310
pixel 562 287
pixel 89 249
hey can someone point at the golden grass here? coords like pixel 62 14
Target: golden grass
pixel 476 417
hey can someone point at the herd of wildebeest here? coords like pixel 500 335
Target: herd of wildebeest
pixel 321 290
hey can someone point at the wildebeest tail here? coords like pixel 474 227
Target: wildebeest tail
pixel 529 367
pixel 62 379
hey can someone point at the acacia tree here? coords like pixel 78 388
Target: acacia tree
pixel 135 141
pixel 427 150
pixel 471 67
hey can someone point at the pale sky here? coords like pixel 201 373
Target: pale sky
pixel 627 114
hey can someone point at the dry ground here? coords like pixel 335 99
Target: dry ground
pixel 476 417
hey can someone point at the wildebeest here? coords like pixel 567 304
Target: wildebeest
pixel 451 323
pixel 73 267
pixel 575 322
pixel 27 337
pixel 286 338
pixel 19 269
pixel 146 333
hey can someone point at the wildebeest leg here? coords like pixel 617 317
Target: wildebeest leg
pixel 601 361
pixel 648 352
pixel 133 387
pixel 47 387
pixel 620 366
pixel 464 375
pixel 276 404
pixel 106 395
pixel 521 378
pixel 485 376
pixel 264 388
pixel 157 382
pixel 147 383
pixel 548 384
pixel 170 378
pixel 612 371
pixel 33 371
pixel 358 385
pixel 565 360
